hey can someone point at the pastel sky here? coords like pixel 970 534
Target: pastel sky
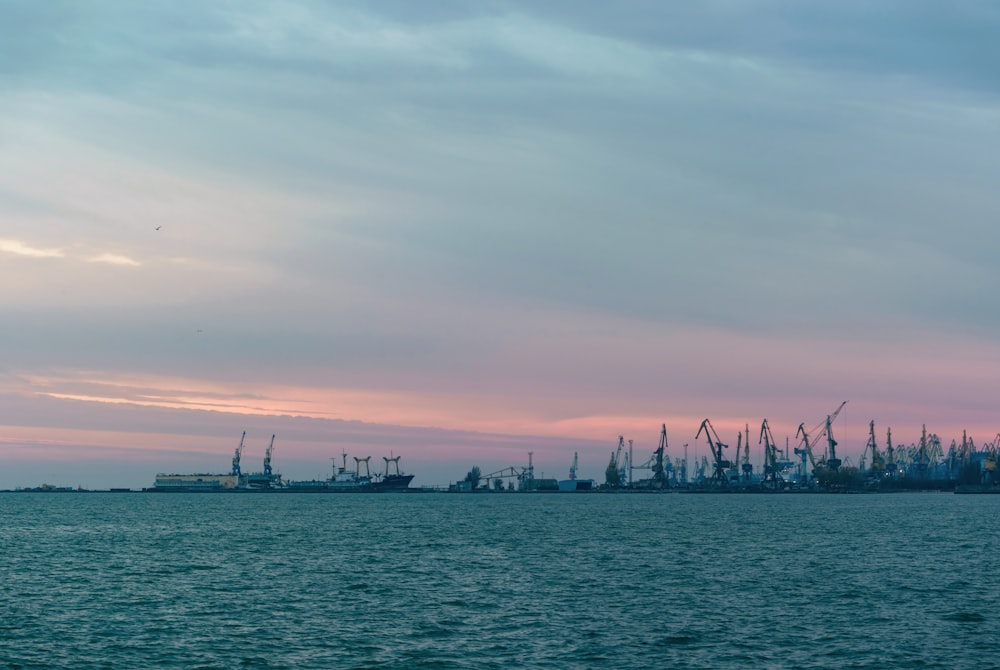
pixel 462 231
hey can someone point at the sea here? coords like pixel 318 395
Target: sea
pixel 437 580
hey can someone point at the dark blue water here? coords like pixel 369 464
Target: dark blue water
pixel 498 581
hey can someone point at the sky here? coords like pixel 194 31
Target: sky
pixel 460 232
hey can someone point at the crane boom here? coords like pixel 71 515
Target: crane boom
pixel 837 411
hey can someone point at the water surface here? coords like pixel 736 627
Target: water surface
pixel 498 581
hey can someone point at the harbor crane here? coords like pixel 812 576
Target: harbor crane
pixel 960 456
pixel 572 468
pixel 832 461
pixel 878 463
pixel 612 474
pixel 715 446
pixel 626 466
pixel 890 451
pixel 701 469
pixel 267 457
pixel 238 455
pixel 732 474
pixel 805 451
pixel 659 471
pixel 658 463
pixel 771 477
pixel 989 459
pixel 746 466
pixel 968 448
pixel 922 455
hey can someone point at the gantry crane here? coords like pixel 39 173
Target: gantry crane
pixel 238 455
pixel 715 446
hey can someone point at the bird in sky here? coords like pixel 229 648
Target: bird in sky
pixel 158 227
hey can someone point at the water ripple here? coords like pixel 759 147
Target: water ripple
pixel 496 581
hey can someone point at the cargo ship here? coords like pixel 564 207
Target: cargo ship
pixel 359 480
pixel 342 481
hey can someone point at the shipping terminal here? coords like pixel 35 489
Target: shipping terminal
pixel 810 466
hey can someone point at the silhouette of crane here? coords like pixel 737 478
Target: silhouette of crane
pixel 238 455
pixel 715 446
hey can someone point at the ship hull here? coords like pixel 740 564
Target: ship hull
pixel 393 483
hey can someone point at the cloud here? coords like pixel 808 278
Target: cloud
pixel 566 216
pixel 21 249
pixel 113 259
